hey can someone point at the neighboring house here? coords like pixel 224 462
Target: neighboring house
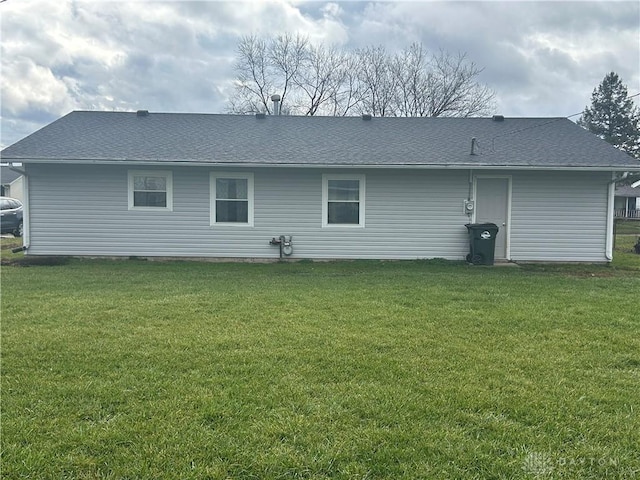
pixel 627 202
pixel 11 183
pixel 196 185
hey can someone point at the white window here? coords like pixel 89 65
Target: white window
pixel 150 190
pixel 343 200
pixel 232 199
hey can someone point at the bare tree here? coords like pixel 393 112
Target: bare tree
pixel 377 80
pixel 453 87
pixel 309 79
pixel 351 92
pixel 409 69
pixel 438 85
pixel 254 82
pixel 263 68
pixel 316 80
pixel 320 79
pixel 287 54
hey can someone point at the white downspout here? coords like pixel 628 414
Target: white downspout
pixel 26 235
pixel 610 212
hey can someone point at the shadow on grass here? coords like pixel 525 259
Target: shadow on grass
pixel 625 259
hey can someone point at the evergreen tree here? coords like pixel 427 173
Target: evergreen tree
pixel 612 115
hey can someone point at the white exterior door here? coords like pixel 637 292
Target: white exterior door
pixel 493 205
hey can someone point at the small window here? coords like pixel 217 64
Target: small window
pixel 343 200
pixel 149 190
pixel 232 199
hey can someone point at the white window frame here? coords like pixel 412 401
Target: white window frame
pixel 151 173
pixel 212 204
pixel 325 200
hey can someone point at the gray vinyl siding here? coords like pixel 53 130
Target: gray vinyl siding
pixel 83 210
pixel 559 216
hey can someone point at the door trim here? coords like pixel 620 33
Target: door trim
pixel 507 231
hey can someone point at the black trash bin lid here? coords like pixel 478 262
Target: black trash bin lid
pixel 481 226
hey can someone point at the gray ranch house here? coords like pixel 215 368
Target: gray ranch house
pixel 225 186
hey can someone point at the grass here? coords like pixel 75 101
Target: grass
pixel 628 227
pixel 133 369
pixel 624 255
pixel 7 244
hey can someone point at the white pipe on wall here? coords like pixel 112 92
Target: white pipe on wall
pixel 610 212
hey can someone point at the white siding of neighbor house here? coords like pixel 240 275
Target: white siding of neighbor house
pixel 410 214
pixel 16 189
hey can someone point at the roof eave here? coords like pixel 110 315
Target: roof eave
pixel 414 166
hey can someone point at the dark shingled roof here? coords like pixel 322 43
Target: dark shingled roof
pixel 317 141
pixel 7 176
pixel 627 191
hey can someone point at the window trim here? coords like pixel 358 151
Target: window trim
pixel 151 173
pixel 212 198
pixel 361 199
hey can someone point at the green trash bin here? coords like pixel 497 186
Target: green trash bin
pixel 482 243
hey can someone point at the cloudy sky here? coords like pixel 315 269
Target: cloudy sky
pixel 542 58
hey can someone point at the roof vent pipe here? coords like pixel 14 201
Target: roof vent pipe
pixel 276 104
pixel 473 145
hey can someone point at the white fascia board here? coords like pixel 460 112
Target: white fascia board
pixel 191 163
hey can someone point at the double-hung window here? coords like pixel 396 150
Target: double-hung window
pixel 150 190
pixel 343 200
pixel 232 199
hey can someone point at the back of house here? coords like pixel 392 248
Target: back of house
pixel 232 186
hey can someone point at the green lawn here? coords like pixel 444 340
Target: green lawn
pixel 628 227
pixel 624 255
pixel 353 370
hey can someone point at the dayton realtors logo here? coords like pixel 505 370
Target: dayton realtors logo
pixel 543 465
pixel 538 464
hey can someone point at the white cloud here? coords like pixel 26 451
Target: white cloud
pixel 33 87
pixel 541 58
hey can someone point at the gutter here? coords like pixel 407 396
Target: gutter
pixel 611 193
pixel 608 253
pixel 326 166
pixel 619 179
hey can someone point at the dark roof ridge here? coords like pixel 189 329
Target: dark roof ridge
pixel 249 115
